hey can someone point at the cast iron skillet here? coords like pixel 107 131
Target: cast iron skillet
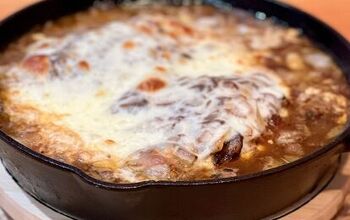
pixel 268 194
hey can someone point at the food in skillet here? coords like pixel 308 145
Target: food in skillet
pixel 135 93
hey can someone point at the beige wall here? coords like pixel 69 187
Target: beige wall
pixel 334 12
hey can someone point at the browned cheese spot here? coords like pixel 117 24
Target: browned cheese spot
pixel 181 28
pixel 84 65
pixel 166 55
pixel 129 45
pixel 110 142
pixel 160 69
pixel 38 65
pixel 100 93
pixel 146 30
pixel 151 85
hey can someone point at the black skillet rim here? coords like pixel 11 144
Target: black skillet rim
pixel 134 186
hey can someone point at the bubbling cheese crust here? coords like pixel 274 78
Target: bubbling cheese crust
pixel 152 97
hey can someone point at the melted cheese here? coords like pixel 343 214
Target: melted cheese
pixel 89 73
